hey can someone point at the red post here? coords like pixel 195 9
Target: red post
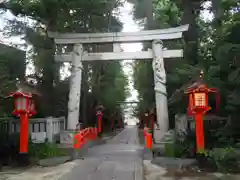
pixel 24 133
pixel 99 124
pixel 199 131
pixel 149 142
pixel 99 121
pixel 146 138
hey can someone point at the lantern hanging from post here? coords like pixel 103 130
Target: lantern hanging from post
pixel 23 107
pixel 198 106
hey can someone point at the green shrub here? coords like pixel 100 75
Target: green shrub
pixel 182 147
pixel 225 159
pixel 44 150
pixel 178 149
pixel 169 150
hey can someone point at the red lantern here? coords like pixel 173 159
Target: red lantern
pixel 22 102
pixel 198 106
pixel 24 107
pixel 198 99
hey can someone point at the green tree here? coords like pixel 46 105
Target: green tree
pixel 212 46
pixel 9 75
pixel 69 16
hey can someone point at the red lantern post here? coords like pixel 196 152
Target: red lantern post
pixel 148 130
pixel 198 106
pixel 99 114
pixel 24 107
pixel 99 121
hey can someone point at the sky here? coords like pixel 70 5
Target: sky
pixel 129 25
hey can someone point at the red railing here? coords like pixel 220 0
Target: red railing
pixel 83 136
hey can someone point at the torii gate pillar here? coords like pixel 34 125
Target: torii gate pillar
pixel 160 90
pixel 75 88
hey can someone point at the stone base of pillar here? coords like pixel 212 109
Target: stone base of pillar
pixel 158 135
pixel 163 136
pixel 67 138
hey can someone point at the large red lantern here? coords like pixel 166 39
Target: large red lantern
pixel 23 108
pixel 198 105
pixel 23 103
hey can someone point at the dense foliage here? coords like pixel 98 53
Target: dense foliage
pixel 9 74
pixel 103 82
pixel 211 45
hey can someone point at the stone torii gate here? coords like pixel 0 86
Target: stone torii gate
pixel 157 53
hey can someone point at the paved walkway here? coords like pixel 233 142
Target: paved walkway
pixel 119 159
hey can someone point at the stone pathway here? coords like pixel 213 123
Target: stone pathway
pixel 119 159
pixel 155 172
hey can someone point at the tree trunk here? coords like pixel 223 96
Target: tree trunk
pixel 49 75
pixel 48 79
pixel 217 11
pixel 191 10
pixel 149 14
